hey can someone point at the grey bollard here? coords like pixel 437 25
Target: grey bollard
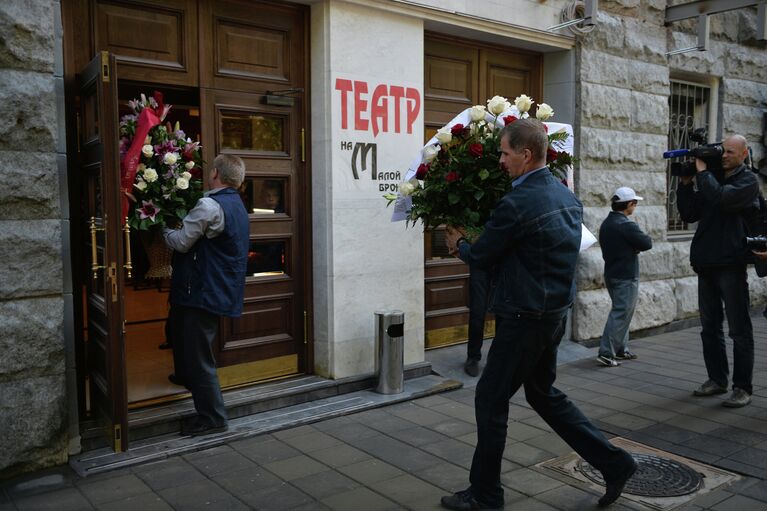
pixel 390 351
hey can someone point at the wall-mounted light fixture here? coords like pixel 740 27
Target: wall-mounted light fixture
pixel 586 12
pixel 702 9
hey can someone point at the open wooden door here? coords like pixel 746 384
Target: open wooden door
pixel 103 237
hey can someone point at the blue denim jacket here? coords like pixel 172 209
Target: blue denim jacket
pixel 531 245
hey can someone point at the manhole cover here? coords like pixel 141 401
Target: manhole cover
pixel 655 477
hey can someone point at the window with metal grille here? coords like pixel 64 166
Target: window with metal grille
pixel 689 109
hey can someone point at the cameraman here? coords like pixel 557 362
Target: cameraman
pixel 719 257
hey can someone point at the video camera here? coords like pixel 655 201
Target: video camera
pixel 709 153
pixel 758 243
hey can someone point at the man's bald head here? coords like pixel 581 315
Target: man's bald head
pixel 735 152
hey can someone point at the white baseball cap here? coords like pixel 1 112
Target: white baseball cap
pixel 625 194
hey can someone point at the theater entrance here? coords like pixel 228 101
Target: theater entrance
pixel 236 75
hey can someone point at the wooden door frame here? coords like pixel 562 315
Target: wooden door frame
pixel 78 44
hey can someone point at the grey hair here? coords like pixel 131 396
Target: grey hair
pixel 231 169
pixel 527 134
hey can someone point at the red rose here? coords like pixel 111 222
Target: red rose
pixel 423 169
pixel 451 176
pixel 551 155
pixel 475 150
pixel 545 128
pixel 457 130
pixel 509 119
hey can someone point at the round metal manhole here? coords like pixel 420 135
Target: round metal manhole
pixel 655 477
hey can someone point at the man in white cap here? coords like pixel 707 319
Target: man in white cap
pixel 621 240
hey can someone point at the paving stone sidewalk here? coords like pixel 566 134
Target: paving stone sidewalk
pixel 407 455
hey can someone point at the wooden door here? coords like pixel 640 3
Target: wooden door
pixel 99 169
pixel 254 49
pixel 458 75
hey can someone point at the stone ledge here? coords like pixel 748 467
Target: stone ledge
pixel 31 342
pixel 31 188
pixel 28 35
pixel 27 112
pixel 32 255
pixel 33 415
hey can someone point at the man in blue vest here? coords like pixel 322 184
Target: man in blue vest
pixel 208 282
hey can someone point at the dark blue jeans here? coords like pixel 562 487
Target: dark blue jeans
pixel 479 288
pixel 524 352
pixel 194 331
pixel 726 285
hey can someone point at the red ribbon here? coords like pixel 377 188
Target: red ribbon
pixel 147 119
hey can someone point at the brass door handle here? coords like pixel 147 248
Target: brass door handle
pixel 128 265
pixel 95 267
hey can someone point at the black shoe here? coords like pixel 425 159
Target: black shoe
pixel 626 355
pixel 471 367
pixel 175 380
pixel 464 501
pixel 164 346
pixel 614 487
pixel 200 428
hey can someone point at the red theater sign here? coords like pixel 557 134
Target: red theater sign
pixel 371 111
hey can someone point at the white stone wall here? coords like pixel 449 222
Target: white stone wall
pixel 362 261
pixel 621 132
pixel 32 365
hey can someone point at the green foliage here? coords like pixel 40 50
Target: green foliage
pixel 461 186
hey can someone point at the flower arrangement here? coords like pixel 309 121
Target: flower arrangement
pixel 459 179
pixel 161 168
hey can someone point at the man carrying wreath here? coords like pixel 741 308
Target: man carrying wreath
pixel 531 242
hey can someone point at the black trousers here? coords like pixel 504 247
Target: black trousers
pixel 728 286
pixel 479 287
pixel 193 333
pixel 524 352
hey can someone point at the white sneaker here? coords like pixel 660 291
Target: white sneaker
pixel 607 361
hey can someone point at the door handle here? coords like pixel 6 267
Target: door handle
pixel 128 265
pixel 95 267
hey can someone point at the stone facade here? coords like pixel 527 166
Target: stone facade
pixel 622 130
pixel 33 401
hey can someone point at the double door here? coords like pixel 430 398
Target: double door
pixel 458 75
pixel 241 69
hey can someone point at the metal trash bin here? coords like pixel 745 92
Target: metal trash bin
pixel 390 351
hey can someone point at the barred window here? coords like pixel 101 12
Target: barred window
pixel 690 108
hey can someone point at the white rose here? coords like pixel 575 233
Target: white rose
pixel 189 165
pixel 150 175
pixel 170 158
pixel 498 105
pixel 525 115
pixel 430 152
pixel 474 128
pixel 186 175
pixel 443 135
pixel 141 186
pixel 478 113
pixel 182 184
pixel 148 150
pixel 523 103
pixel 544 112
pixel 406 188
